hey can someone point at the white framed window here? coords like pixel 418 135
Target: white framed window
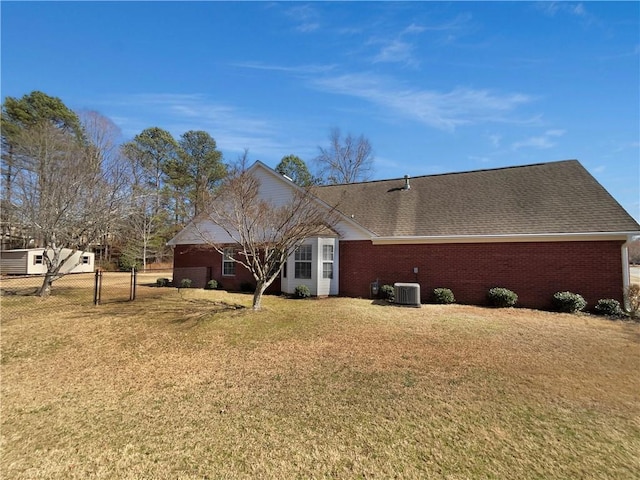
pixel 228 265
pixel 38 260
pixel 327 261
pixel 303 261
pixel 86 260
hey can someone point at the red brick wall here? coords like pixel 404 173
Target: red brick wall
pixel 535 271
pixel 202 263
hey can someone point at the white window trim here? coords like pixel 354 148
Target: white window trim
pixel 327 261
pixel 227 252
pixel 298 260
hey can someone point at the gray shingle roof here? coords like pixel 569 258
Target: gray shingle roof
pixel 555 197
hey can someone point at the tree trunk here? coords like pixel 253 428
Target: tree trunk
pixel 45 289
pixel 144 255
pixel 257 295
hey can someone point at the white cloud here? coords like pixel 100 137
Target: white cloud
pixel 553 8
pixel 311 69
pixel 396 51
pixel 495 140
pixel 441 110
pixel 232 128
pixel 572 9
pixel 413 28
pixel 305 16
pixel 544 141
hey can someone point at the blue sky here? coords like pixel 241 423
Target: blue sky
pixel 436 87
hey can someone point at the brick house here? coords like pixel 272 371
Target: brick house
pixel 534 229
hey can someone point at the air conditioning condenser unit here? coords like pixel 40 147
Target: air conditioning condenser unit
pixel 407 294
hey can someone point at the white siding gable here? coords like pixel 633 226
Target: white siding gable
pixel 273 188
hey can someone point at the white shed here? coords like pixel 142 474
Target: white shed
pixel 31 262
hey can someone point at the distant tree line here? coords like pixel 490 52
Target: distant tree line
pixel 69 183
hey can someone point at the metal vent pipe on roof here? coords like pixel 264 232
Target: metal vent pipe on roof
pixel 406 182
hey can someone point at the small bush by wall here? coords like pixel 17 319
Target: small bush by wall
pixel 502 297
pixel 442 296
pixel 185 283
pixel 211 285
pixel 302 291
pixel 163 282
pixel 568 302
pixel 388 292
pixel 609 307
pixel 247 287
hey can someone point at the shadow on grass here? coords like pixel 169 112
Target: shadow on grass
pixel 185 311
pixel 383 303
pixel 20 292
pixel 212 309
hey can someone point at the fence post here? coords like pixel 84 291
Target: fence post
pixel 97 289
pixel 134 275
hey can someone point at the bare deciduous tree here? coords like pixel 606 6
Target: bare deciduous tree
pixel 265 233
pixel 345 162
pixel 104 138
pixel 62 193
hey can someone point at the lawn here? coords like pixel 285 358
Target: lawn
pixel 188 386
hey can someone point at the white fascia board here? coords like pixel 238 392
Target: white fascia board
pixel 532 237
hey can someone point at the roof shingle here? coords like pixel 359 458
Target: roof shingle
pixel 546 198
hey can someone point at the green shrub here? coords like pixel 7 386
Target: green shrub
pixel 185 283
pixel 501 297
pixel 163 282
pixel 211 284
pixel 302 291
pixel 609 307
pixel 443 296
pixel 568 302
pixel 387 292
pixel 632 299
pixel 247 287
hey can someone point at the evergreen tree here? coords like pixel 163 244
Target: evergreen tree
pixel 196 171
pixel 151 212
pixel 294 167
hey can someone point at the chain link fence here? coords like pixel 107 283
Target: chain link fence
pixel 18 294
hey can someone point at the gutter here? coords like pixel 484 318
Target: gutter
pixel 520 237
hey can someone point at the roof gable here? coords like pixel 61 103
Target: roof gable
pixel 278 190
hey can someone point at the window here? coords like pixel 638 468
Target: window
pixel 303 261
pixel 228 265
pixel 327 261
pixel 38 260
pixel 86 260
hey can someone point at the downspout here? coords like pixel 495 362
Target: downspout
pixel 626 278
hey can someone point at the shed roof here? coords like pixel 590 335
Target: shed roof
pixel 546 198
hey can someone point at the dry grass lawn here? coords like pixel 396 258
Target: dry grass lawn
pixel 181 387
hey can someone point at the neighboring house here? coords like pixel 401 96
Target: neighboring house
pixel 535 229
pixel 31 262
